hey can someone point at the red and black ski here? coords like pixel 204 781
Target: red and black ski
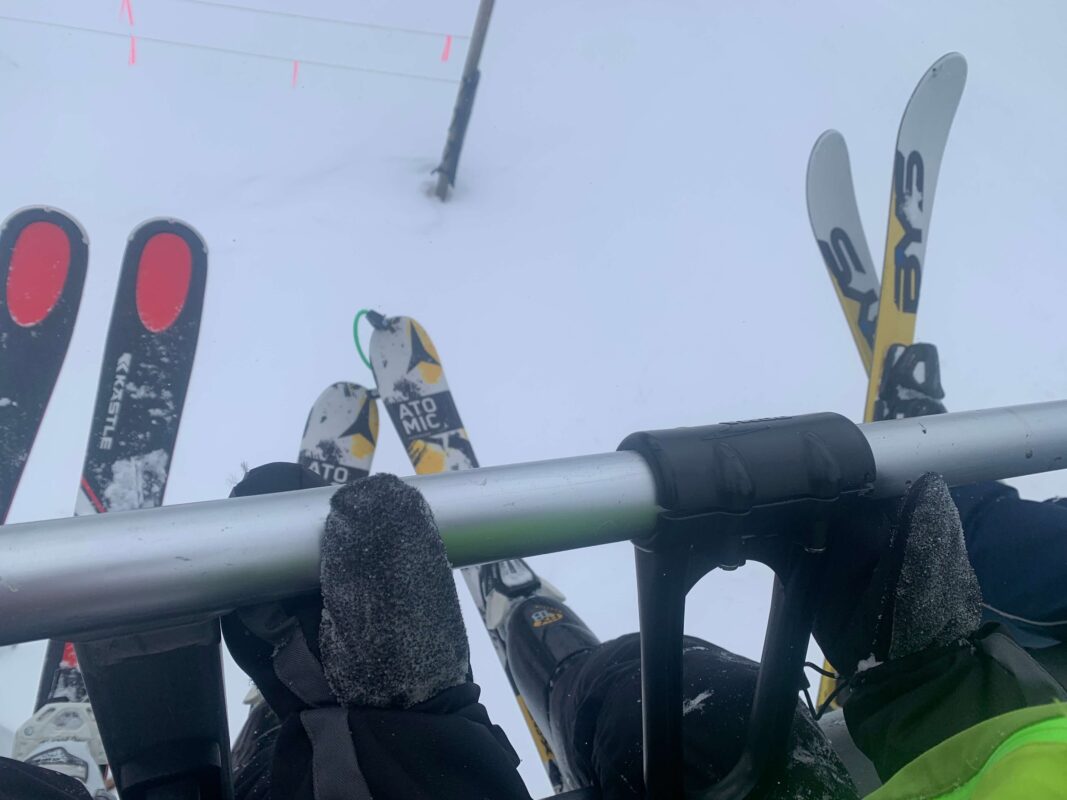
pixel 43 258
pixel 148 359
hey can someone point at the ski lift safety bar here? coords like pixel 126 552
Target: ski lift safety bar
pixel 82 577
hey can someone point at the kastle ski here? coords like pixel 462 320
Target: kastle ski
pixel 144 378
pixel 44 254
pixel 412 385
pixel 880 319
pixel 340 433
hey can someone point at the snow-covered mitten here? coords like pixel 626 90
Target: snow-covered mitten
pixel 899 581
pixel 901 620
pixel 369 678
pixel 392 634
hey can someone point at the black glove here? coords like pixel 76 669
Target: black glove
pixel 369 679
pixel 898 581
pixel 392 634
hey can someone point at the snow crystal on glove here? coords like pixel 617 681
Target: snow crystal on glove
pixel 391 634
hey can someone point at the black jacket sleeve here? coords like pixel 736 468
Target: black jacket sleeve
pixel 19 781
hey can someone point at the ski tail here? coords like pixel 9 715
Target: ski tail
pixel 44 255
pixel 921 142
pixel 144 378
pixel 414 390
pixel 835 221
pixel 148 359
pixel 341 433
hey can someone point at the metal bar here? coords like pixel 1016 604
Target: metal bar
pixel 68 578
pixel 114 572
pixel 969 446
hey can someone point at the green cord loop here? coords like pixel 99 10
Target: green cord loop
pixel 355 335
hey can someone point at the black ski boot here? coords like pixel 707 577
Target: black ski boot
pixel 911 383
pixel 503 585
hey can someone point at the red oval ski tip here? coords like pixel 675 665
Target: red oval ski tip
pixel 163 278
pixel 40 261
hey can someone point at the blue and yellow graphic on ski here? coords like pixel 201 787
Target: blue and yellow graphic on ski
pixel 414 390
pixel 835 221
pixel 921 144
pixel 340 433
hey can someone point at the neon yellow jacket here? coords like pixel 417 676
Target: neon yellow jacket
pixel 1021 755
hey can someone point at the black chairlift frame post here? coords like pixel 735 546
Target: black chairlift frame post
pixel 765 490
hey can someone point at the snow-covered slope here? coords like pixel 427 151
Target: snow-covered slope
pixel 627 248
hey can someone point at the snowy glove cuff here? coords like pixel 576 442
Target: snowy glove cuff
pixel 392 634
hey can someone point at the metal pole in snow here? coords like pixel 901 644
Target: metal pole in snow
pixel 461 114
pixel 107 573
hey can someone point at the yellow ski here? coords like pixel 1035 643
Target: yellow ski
pixel 920 147
pixel 880 319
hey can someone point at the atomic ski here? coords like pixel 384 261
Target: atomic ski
pixel 880 319
pixel 43 257
pixel 145 374
pixel 340 434
pixel 412 385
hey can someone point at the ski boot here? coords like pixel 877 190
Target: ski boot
pixel 503 585
pixel 911 383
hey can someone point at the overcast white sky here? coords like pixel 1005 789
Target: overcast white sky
pixel 628 247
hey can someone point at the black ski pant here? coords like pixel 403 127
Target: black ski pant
pixel 586 697
pixel 1018 549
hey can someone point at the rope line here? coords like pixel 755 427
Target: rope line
pixel 292 15
pixel 231 51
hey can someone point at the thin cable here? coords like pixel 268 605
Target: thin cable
pixel 355 335
pixel 824 672
pixel 828 703
pixel 811 705
pixel 231 51
pixel 308 17
pixel 841 682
